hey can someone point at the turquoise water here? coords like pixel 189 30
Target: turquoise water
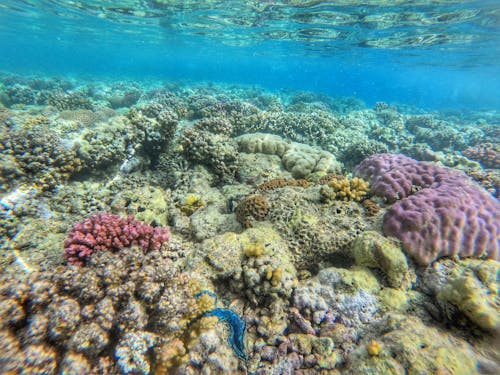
pixel 435 54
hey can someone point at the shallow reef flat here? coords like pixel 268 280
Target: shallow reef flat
pixel 201 228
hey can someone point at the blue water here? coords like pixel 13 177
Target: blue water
pixel 432 54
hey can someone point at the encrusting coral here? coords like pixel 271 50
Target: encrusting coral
pixel 468 288
pixel 192 202
pixel 277 183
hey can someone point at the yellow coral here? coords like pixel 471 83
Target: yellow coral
pixel 39 121
pixel 205 303
pixel 253 249
pixel 274 275
pixel 269 273
pixel 341 188
pixel 175 353
pixel 191 203
pixel 359 188
pixel 197 328
pixel 374 347
pixel 277 275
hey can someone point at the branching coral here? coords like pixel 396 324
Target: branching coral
pixel 487 154
pixel 344 189
pixel 110 232
pixel 35 156
pixel 216 151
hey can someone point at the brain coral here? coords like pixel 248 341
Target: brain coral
pixel 441 212
pixel 253 207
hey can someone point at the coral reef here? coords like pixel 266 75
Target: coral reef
pixel 487 154
pixel 410 346
pixel 441 211
pixel 156 129
pixel 68 100
pixel 441 134
pixel 255 263
pixel 371 249
pixel 109 316
pixel 315 232
pixel 214 150
pixel 110 232
pixel 125 99
pixel 107 145
pixel 489 179
pixel 307 281
pixel 17 94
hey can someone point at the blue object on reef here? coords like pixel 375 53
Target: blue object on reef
pixel 237 326
pixel 208 293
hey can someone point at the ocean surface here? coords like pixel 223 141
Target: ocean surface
pixel 437 54
pixel 274 187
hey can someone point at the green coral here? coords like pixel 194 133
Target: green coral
pixel 371 249
pixel 473 290
pixel 191 203
pixel 358 278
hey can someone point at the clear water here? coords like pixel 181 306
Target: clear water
pixel 434 54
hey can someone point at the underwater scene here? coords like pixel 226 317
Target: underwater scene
pixel 272 187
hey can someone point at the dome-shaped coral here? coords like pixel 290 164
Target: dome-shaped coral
pixel 253 207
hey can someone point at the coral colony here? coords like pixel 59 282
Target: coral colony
pixel 440 212
pixel 106 231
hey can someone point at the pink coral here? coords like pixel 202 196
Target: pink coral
pixel 440 212
pixel 106 231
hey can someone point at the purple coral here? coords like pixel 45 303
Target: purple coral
pixel 441 212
